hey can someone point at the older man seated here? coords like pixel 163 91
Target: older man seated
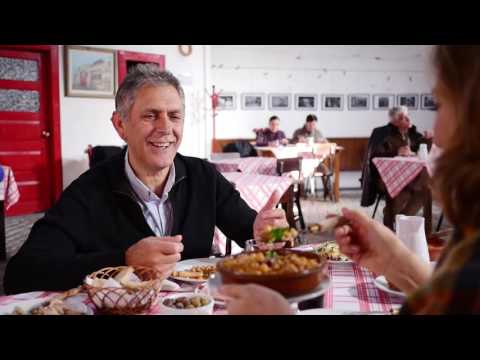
pixel 147 206
pixel 399 138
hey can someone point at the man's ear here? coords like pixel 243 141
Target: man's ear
pixel 119 125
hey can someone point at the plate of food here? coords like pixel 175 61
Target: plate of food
pixel 194 270
pixel 292 273
pixel 383 284
pixel 330 251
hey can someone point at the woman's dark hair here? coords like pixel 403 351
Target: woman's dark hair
pixel 457 171
pixel 311 118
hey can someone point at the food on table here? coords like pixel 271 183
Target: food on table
pixel 330 251
pixel 186 302
pixel 290 272
pixel 270 263
pixel 56 306
pixel 273 235
pixel 125 278
pixel 196 272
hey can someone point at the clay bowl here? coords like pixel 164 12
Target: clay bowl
pixel 294 284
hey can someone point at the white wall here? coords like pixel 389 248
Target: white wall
pixel 319 69
pixel 87 121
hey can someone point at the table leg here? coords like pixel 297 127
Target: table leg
pixel 427 213
pixel 336 171
pixel 3 242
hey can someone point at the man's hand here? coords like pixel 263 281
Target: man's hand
pixel 269 216
pixel 428 134
pixel 159 253
pixel 302 139
pixel 284 141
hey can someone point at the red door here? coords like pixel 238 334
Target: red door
pixel 24 131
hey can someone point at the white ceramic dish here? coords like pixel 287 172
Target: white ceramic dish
pixel 188 264
pixel 203 310
pixel 382 284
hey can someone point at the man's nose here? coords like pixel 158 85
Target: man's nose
pixel 162 122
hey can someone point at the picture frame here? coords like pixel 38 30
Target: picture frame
pixel 332 102
pixel 428 102
pixel 408 100
pixel 279 102
pixel 358 102
pixel 253 101
pixel 306 102
pixel 227 101
pixel 383 102
pixel 89 72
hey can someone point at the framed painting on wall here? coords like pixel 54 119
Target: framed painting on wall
pixel 253 101
pixel 332 102
pixel 359 102
pixel 89 72
pixel 428 102
pixel 227 101
pixel 383 101
pixel 279 101
pixel 129 59
pixel 307 102
pixel 408 100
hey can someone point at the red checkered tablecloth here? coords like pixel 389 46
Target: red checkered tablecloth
pixel 8 188
pixel 398 172
pixel 255 190
pixel 352 289
pixel 253 165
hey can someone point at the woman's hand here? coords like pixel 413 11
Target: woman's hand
pixel 368 242
pixel 254 300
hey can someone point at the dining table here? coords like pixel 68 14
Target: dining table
pixel 312 156
pixel 253 165
pixel 398 172
pixel 351 291
pixel 9 196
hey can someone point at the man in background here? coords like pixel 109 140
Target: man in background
pixel 272 134
pixel 309 130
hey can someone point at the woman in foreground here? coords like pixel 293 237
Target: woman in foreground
pixel 454 286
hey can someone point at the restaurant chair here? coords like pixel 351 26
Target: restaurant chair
pixel 293 167
pixel 380 196
pixel 325 172
pixel 98 154
pixel 243 147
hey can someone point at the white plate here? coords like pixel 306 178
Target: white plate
pixel 319 291
pixel 188 264
pixel 381 283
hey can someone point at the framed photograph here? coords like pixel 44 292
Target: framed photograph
pixel 428 102
pixel 359 102
pixel 332 102
pixel 307 102
pixel 279 101
pixel 408 100
pixel 89 72
pixel 383 101
pixel 227 101
pixel 254 101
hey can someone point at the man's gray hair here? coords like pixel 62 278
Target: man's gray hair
pixel 397 110
pixel 139 76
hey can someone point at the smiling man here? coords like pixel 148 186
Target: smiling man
pixel 149 206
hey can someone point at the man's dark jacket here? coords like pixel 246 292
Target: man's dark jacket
pixel 97 219
pixel 370 176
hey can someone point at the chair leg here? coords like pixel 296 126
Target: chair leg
pixel 376 207
pixel 300 213
pixel 228 247
pixel 440 222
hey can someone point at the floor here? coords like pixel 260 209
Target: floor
pixel 314 209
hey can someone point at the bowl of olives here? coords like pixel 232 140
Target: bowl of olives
pixel 187 304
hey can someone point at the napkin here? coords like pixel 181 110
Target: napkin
pixel 411 231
